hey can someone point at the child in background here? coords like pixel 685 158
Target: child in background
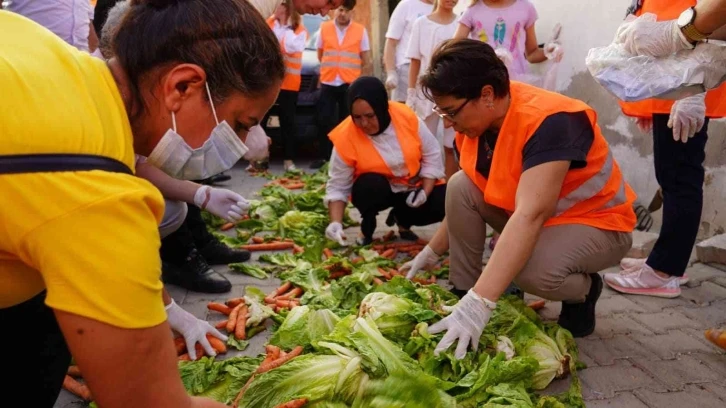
pixel 507 25
pixel 427 33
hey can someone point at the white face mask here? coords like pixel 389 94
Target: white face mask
pixel 219 153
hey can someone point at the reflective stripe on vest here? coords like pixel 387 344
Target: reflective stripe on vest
pixel 341 59
pixel 596 195
pixel 715 99
pixel 293 62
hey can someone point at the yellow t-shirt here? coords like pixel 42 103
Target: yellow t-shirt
pixel 89 237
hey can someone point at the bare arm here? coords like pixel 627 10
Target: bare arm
pixel 536 200
pixel 336 209
pixel 440 241
pixel 389 54
pixel 92 38
pixel 128 367
pixel 367 67
pixel 462 32
pixel 710 15
pixel 533 52
pixel 413 72
pixel 320 54
pixel 171 188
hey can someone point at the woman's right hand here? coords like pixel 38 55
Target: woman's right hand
pixel 424 260
pixel 334 232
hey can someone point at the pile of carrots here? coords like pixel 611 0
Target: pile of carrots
pixel 276 244
pixel 290 183
pixel 228 226
pixel 73 386
pixel 181 347
pixel 337 270
pixel 391 250
pixel 275 358
pixel 284 297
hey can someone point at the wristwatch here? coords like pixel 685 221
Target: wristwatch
pixel 685 23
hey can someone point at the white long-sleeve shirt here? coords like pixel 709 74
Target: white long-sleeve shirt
pixel 293 42
pixel 341 175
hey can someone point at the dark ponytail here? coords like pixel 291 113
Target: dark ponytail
pixel 229 39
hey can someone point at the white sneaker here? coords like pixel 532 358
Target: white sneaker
pixel 644 281
pixel 629 265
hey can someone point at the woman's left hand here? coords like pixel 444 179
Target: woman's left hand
pixel 416 198
pixel 221 202
pixel 465 324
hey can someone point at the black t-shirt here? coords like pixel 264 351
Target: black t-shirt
pixel 562 136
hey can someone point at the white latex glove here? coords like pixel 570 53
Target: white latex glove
pixel 553 51
pixel 416 198
pixel 645 36
pixel 192 329
pixel 506 56
pixel 687 117
pixel 258 144
pixel 411 98
pixel 391 80
pixel 425 259
pixel 334 232
pixel 223 203
pixel 465 324
pixel 644 124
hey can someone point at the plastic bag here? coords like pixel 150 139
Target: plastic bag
pixel 635 78
pixel 547 81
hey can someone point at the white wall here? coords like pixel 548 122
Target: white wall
pixel 588 24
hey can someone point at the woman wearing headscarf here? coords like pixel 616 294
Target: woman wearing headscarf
pixel 383 156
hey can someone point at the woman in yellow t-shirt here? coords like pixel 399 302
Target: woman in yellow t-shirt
pixel 79 263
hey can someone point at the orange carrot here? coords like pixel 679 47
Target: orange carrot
pixel 445 263
pixel 245 217
pixel 185 357
pixel 717 337
pixel 234 302
pixel 285 303
pixel 258 240
pixel 384 273
pixel 239 331
pixel 180 345
pixel 377 282
pixel 390 235
pixel 327 253
pixel 283 288
pixel 288 240
pixel 536 304
pixel 293 293
pixel 221 325
pixel 297 249
pixel 280 361
pixel 76 388
pixel 271 246
pixel 357 259
pixel 218 307
pixel 232 322
pixel 338 274
pixel 227 226
pixel 423 281
pixel 74 371
pixel 272 351
pixel 388 253
pixel 421 241
pixel 217 344
pixel 296 403
pixel 414 253
pixel 294 186
pixel 379 247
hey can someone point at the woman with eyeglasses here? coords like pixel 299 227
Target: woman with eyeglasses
pixel 534 166
pixel 383 156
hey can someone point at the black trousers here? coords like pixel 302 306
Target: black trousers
pixel 40 363
pixel 332 109
pixel 192 234
pixel 287 104
pixel 680 173
pixel 372 194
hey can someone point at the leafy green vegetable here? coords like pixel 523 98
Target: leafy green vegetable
pixel 494 371
pixel 219 380
pixel 240 345
pixel 394 316
pixel 231 242
pixel 303 326
pixel 400 391
pixel 310 279
pixel 301 225
pixel 284 259
pixel 212 220
pixel 249 269
pixel 508 395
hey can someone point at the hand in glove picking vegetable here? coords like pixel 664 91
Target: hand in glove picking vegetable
pixel 192 329
pixel 391 80
pixel 425 259
pixel 645 36
pixel 223 203
pixel 258 144
pixel 687 117
pixel 644 124
pixel 416 198
pixel 465 324
pixel 334 232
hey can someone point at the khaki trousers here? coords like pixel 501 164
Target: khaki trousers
pixel 562 259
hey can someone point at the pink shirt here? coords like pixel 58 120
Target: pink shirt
pixel 502 28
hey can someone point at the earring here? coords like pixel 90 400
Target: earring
pixel 490 105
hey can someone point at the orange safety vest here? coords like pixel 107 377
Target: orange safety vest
pixel 293 62
pixel 596 195
pixel 715 100
pixel 341 59
pixel 357 151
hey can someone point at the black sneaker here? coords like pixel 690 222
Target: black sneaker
pixel 217 253
pixel 318 164
pixel 196 275
pixel 579 318
pixel 391 219
pixel 408 235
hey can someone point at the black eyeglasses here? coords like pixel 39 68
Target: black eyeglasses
pixel 449 115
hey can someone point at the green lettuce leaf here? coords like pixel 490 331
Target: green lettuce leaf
pixel 249 269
